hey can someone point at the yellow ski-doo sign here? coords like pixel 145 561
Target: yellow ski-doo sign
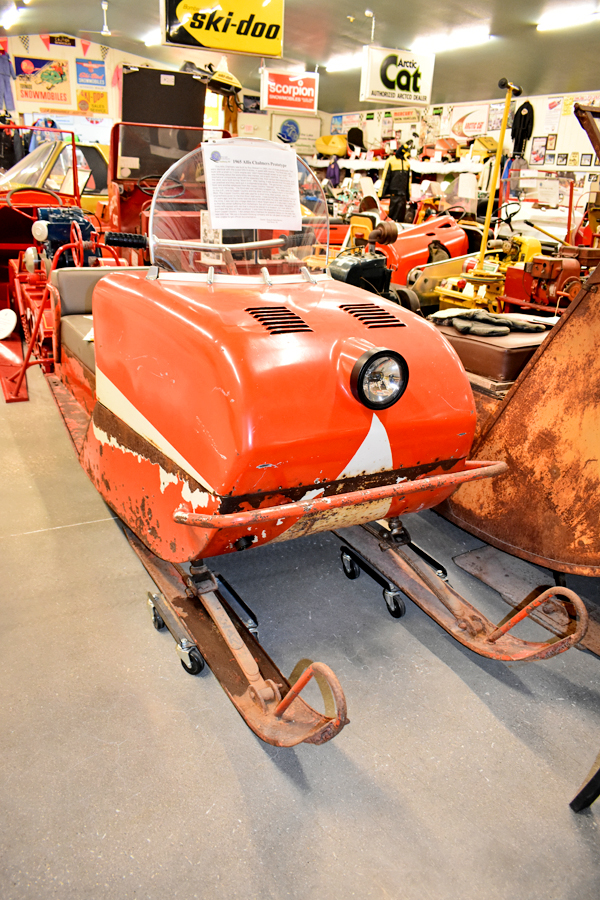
pixel 238 26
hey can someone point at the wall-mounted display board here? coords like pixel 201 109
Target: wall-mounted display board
pixel 162 98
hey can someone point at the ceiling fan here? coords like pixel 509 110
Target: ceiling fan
pixel 106 31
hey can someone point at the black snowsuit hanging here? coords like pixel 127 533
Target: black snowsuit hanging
pixel 522 127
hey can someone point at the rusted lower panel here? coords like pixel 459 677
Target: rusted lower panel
pixel 80 380
pixel 546 508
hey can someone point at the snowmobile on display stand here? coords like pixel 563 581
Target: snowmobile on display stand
pixel 267 401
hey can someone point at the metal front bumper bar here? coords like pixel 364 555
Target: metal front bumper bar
pixel 473 471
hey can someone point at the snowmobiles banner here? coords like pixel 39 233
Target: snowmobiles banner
pixel 43 80
pixel 240 26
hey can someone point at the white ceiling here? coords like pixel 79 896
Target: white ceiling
pixel 543 63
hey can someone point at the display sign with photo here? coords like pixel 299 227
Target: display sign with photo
pixel 396 76
pixel 242 26
pixel 300 131
pixel 43 81
pixel 280 90
pixel 538 151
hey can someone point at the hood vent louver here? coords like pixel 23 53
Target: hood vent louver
pixel 371 315
pixel 278 319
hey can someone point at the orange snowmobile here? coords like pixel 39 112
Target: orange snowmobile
pixel 231 398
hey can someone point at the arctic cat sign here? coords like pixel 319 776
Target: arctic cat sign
pixel 396 76
pixel 239 26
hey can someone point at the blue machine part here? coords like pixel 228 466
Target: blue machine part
pixel 58 221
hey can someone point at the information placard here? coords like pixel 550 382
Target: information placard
pixel 251 186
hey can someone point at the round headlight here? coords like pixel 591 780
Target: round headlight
pixel 379 378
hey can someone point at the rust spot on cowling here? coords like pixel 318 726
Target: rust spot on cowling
pixel 241 502
pixel 129 439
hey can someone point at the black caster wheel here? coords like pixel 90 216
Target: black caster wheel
pixel 196 663
pixel 395 604
pixel 350 567
pixel 157 620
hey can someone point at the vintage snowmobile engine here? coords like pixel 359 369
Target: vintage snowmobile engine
pixel 368 272
pixel 53 228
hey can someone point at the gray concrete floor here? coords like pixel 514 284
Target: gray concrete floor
pixel 123 777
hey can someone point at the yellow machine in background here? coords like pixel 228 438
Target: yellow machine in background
pixel 482 286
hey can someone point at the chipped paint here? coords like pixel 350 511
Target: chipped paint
pixel 310 495
pixel 196 498
pixel 114 400
pixel 166 478
pixel 110 441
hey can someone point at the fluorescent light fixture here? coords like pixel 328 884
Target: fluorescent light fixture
pixel 559 17
pixel 9 17
pixel 452 40
pixel 153 38
pixel 345 62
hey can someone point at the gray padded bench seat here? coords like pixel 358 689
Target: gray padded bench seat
pixel 76 289
pixel 73 330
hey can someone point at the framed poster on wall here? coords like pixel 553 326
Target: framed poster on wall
pixel 300 131
pixel 538 151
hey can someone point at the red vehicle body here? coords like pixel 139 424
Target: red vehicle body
pixel 208 435
pixel 412 248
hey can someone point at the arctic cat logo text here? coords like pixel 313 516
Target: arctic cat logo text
pixel 222 23
pixel 403 79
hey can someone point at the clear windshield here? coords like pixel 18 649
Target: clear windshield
pixel 29 169
pixel 239 206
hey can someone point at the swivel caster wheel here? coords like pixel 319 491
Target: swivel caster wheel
pixel 395 604
pixel 350 566
pixel 191 660
pixel 157 619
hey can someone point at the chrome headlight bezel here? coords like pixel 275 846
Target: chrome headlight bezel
pixel 360 369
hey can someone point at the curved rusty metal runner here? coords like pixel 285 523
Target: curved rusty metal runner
pixel 265 699
pixel 456 615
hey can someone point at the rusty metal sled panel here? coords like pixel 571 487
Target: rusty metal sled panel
pixel 546 508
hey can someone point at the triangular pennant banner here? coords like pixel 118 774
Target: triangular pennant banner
pixel 104 51
pixel 85 46
pixel 116 79
pixel 45 40
pixel 24 38
pixel 4 44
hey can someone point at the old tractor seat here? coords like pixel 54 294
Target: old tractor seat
pixel 501 358
pixel 76 289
